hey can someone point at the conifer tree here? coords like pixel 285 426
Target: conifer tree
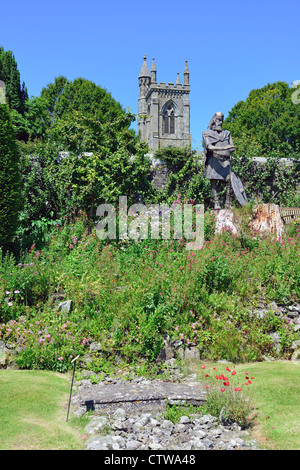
pixel 9 178
pixel 16 94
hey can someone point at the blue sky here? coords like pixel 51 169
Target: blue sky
pixel 232 47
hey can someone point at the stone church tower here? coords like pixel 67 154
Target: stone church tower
pixel 164 110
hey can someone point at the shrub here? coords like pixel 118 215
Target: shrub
pixel 186 177
pixel 48 343
pixel 128 295
pixel 225 398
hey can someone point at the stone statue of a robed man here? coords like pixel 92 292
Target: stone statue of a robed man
pixel 218 148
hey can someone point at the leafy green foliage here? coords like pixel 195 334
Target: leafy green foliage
pixel 267 124
pixel 173 413
pixel 36 192
pixel 92 130
pixel 85 97
pixel 173 156
pixel 225 398
pixel 269 118
pixel 9 73
pixel 128 295
pixel 48 344
pixel 99 167
pixel 16 94
pixel 62 101
pixel 186 180
pixel 9 178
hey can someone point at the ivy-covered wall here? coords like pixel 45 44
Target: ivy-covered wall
pixel 267 180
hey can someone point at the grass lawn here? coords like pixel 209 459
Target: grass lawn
pixel 275 392
pixel 33 412
pixel 33 407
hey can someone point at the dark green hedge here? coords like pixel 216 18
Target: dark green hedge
pixel 9 178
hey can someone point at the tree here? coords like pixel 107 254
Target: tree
pixel 9 178
pixel 87 98
pixel 60 99
pixel 99 166
pixel 267 124
pixel 15 92
pixel 269 118
pixel 84 121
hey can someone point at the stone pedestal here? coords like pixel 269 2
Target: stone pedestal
pixel 224 221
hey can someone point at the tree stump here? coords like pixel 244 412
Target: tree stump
pixel 266 220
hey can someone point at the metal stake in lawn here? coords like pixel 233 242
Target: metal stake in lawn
pixel 74 360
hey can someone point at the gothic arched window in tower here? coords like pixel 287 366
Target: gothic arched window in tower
pixel 169 118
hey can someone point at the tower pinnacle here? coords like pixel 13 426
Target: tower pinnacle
pixel 186 74
pixel 144 70
pixel 153 72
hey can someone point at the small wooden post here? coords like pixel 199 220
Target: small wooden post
pixel 74 360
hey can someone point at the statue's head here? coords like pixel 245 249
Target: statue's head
pixel 216 121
